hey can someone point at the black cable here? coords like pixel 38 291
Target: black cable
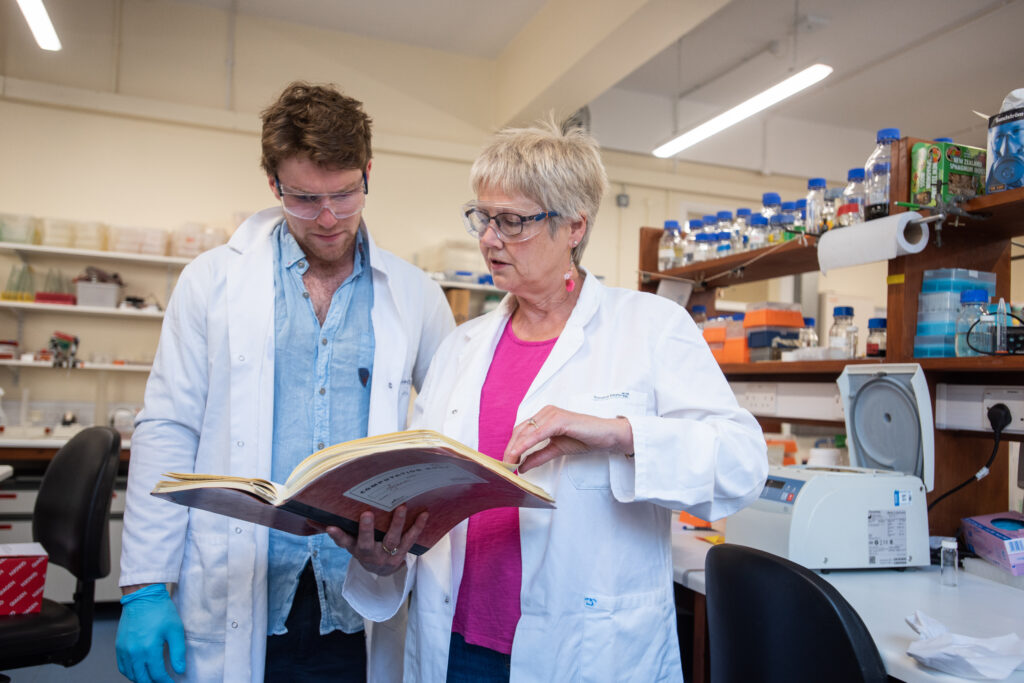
pixel 999 417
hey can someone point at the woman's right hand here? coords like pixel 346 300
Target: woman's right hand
pixel 383 557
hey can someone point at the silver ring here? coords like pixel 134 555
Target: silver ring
pixel 389 551
pixel 532 423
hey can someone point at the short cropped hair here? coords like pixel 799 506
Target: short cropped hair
pixel 559 168
pixel 316 122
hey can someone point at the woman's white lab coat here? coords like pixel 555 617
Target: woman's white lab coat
pixel 209 407
pixel 597 599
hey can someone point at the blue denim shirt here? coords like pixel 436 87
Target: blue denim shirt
pixel 321 397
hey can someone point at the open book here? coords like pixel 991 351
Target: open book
pixel 419 468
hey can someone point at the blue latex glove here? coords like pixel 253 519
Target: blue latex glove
pixel 148 620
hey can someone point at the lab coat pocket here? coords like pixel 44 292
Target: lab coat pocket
pixel 591 470
pixel 625 637
pixel 203 589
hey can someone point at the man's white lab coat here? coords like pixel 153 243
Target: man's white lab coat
pixel 597 599
pixel 209 407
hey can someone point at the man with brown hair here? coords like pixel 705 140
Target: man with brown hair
pixel 297 334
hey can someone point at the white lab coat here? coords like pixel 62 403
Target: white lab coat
pixel 209 408
pixel 597 599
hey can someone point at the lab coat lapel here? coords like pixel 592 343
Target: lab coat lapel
pixel 390 346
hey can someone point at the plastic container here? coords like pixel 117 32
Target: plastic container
pixel 972 308
pixel 90 235
pixel 814 223
pixel 757 234
pixel 124 238
pixel 833 200
pixel 761 336
pixel 878 192
pixel 56 232
pixel 741 226
pixel 876 338
pixel 934 346
pixel 98 294
pixel 884 140
pixel 948 562
pixel 957 280
pixel 931 302
pixel 153 242
pixel 187 240
pixel 839 337
pixel 17 228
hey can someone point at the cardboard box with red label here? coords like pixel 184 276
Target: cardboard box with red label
pixel 22 578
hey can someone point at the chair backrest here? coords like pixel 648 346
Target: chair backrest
pixel 72 512
pixel 772 619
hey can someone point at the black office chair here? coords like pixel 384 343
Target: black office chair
pixel 71 521
pixel 770 619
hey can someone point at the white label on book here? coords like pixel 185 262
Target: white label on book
pixel 390 489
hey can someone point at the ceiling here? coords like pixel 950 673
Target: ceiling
pixel 921 65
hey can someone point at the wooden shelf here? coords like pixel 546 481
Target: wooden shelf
pixel 787 258
pixel 800 369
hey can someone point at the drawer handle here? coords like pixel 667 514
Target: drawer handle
pixel 8 495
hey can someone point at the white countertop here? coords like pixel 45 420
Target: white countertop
pixel 885 597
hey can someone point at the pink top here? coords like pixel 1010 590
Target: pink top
pixel 487 609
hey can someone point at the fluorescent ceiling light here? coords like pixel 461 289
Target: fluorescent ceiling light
pixel 39 22
pixel 759 102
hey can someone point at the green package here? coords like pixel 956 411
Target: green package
pixel 960 168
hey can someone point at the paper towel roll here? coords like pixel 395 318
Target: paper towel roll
pixel 877 240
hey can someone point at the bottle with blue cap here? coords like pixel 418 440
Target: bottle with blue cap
pixel 771 205
pixel 757 233
pixel 670 246
pixel 968 332
pixel 883 149
pixel 855 194
pixel 800 215
pixel 694 228
pixel 815 206
pixel 878 192
pixel 699 313
pixel 842 336
pixel 876 337
pixel 808 335
pixel 741 228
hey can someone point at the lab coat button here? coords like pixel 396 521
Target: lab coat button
pixel 447 599
pixel 238 529
pixel 323 391
pixel 234 624
pixel 455 411
pixel 390 386
pixel 239 443
pixel 241 359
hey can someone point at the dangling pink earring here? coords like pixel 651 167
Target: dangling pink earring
pixel 570 284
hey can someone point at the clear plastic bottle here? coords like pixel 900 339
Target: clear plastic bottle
pixel 771 205
pixel 948 561
pixel 705 247
pixel 725 222
pixel 839 337
pixel 883 149
pixel 699 313
pixel 710 224
pixel 723 245
pixel 757 233
pixel 876 337
pixel 815 206
pixel 667 258
pixel 854 193
pixel 742 222
pixel 808 336
pixel 972 308
pixel 878 192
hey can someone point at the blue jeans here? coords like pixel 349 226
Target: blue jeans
pixel 302 654
pixel 475 664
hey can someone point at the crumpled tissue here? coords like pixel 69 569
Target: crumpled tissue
pixel 987 658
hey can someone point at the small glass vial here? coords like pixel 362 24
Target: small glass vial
pixel 838 334
pixel 876 338
pixel 948 563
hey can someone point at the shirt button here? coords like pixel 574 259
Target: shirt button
pixel 238 529
pixel 320 445
pixel 322 391
pixel 316 553
pixel 305 295
pixel 302 264
pixel 234 624
pixel 324 341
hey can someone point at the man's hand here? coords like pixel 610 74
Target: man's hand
pixel 148 620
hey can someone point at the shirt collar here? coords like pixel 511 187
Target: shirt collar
pixel 293 256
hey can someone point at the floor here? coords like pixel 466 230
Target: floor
pixel 100 666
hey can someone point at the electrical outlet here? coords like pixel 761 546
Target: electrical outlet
pixel 1012 398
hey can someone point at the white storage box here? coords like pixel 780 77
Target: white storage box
pixel 100 294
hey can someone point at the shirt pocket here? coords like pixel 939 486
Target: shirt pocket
pixel 590 470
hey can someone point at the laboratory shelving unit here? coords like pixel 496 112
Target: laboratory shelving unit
pixel 982 243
